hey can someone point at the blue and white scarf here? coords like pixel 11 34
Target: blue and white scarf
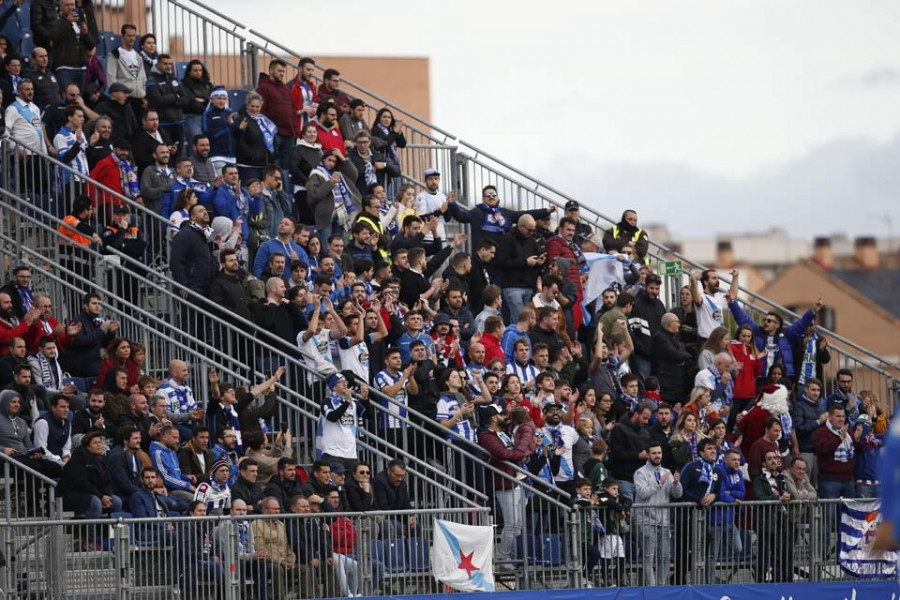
pixel 130 185
pixel 392 149
pixel 787 425
pixel 729 387
pixel 808 364
pixel 493 220
pixel 268 128
pixel 369 175
pixel 341 191
pixel 844 452
pixel 632 401
pixel 26 297
pixel 706 474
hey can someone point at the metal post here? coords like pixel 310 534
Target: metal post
pixel 365 556
pixel 121 542
pixel 253 54
pixel 575 558
pixel 57 571
pixel 816 562
pixel 698 523
pixel 232 563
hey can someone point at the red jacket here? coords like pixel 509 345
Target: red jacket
pixel 342 99
pixel 331 139
pixel 826 443
pixel 8 332
pixel 343 536
pixel 106 172
pixel 559 248
pixel 752 426
pixel 499 455
pixel 745 382
pixel 278 103
pixel 37 331
pixel 492 348
pixel 134 372
pixel 299 90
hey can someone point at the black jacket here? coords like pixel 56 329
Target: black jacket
pixel 284 321
pixel 392 169
pixel 644 321
pixel 46 88
pixel 142 146
pixel 511 259
pixel 196 88
pixel 357 499
pixel 124 123
pixel 83 477
pixel 283 490
pixel 44 13
pixel 251 493
pixel 388 497
pixel 625 443
pixel 251 144
pixel 192 262
pixel 125 481
pixel 227 292
pixel 167 96
pixel 83 355
pixel 670 363
pixel 66 48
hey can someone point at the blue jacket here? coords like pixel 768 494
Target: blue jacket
pixel 850 403
pixel 732 489
pixel 787 337
pixel 221 138
pixel 272 246
pixel 165 462
pixel 805 417
pixel 225 205
pixel 693 485
pixel 511 335
pixel 125 481
pixel 205 194
pixel 142 505
pixel 868 455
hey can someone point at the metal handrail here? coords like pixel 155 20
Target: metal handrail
pixel 436 473
pixel 22 467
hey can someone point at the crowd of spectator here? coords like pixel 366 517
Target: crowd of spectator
pixel 292 212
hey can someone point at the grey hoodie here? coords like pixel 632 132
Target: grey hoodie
pixel 13 430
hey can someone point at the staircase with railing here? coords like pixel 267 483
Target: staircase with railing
pixel 158 317
pixel 191 29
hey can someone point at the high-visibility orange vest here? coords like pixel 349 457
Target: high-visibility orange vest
pixel 74 237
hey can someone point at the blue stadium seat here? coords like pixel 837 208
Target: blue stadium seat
pixel 236 98
pixel 78 381
pixel 391 554
pixel 109 41
pixel 181 69
pixel 551 549
pixel 26 45
pixel 89 383
pixel 419 560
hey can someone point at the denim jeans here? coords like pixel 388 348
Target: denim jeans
pixel 95 510
pixel 865 490
pixel 512 507
pixel 719 545
pixel 834 488
pixel 642 368
pixel 66 76
pixel 656 546
pixel 514 300
pixel 626 488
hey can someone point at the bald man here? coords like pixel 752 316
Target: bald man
pixel 520 260
pixel 183 410
pixel 278 316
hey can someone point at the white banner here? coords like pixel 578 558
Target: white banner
pixel 463 556
pixel 859 521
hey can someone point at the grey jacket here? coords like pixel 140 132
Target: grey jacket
pixel 647 490
pixel 13 430
pixel 320 194
pixel 117 72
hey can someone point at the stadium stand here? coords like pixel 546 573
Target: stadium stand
pixel 245 357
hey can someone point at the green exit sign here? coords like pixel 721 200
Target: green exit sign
pixel 671 267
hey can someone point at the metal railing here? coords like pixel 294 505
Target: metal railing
pixel 470 167
pixel 309 552
pixel 157 307
pixel 27 493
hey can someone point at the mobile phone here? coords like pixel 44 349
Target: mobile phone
pixel 284 428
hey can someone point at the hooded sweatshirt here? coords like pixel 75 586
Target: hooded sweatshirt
pixel 13 430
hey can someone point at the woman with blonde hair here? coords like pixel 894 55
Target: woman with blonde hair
pixel 717 342
pixel 873 407
pixel 699 404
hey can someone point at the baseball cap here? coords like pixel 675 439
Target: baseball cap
pixel 121 144
pixel 441 319
pixel 432 171
pixel 119 87
pixel 338 468
pixel 490 410
pixel 572 205
pixel 551 405
pixel 334 379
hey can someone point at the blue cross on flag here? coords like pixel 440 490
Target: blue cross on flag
pixel 463 556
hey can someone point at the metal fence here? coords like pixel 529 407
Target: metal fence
pixel 307 553
pixel 27 494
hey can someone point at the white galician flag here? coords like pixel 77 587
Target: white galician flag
pixel 859 521
pixel 463 556
pixel 604 271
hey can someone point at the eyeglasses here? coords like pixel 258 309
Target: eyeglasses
pixel 491 195
pixel 365 473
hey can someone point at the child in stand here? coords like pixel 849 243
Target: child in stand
pixel 585 503
pixel 613 515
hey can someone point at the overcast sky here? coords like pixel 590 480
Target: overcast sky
pixel 710 116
